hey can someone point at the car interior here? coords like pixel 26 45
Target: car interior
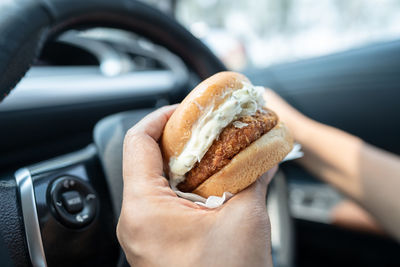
pixel 76 75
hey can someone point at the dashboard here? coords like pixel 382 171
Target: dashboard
pixel 79 78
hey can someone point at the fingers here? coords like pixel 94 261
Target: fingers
pixel 266 178
pixel 258 190
pixel 250 204
pixel 141 155
pixel 153 124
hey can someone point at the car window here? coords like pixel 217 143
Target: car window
pixel 256 33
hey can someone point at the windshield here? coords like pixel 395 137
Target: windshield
pixel 257 33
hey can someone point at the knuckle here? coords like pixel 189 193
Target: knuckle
pixel 131 133
pixel 133 136
pixel 135 218
pixel 161 182
pixel 118 232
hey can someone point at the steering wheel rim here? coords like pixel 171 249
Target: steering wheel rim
pixel 39 21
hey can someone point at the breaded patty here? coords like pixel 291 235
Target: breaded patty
pixel 229 143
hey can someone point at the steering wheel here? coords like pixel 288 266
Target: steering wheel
pixel 26 215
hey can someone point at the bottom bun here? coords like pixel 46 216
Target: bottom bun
pixel 249 164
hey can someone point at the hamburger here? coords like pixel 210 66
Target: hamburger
pixel 221 138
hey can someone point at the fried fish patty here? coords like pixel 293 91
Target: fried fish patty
pixel 229 143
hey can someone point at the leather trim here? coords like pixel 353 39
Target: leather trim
pixel 11 222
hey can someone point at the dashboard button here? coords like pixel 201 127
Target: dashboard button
pixel 74 202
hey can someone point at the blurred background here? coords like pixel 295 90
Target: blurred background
pixel 254 33
pixel 337 61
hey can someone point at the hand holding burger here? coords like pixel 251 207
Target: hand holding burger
pixel 220 139
pixel 157 228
